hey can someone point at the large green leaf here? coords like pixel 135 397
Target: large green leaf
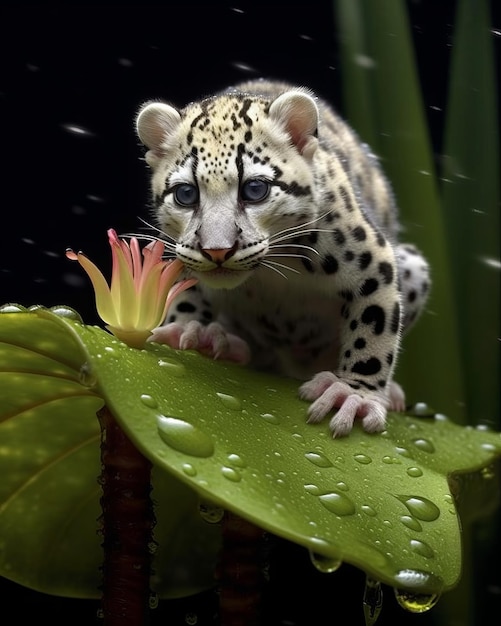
pixel 236 438
pixel 50 464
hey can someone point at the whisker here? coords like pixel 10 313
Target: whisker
pixel 294 229
pixel 288 256
pixel 298 233
pixel 282 265
pixel 298 245
pixel 270 266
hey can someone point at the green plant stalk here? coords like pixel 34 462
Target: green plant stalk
pixel 378 67
pixel 471 200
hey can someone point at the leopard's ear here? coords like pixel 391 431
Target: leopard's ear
pixel 298 113
pixel 155 124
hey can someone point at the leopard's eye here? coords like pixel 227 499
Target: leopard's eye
pixel 255 190
pixel 186 194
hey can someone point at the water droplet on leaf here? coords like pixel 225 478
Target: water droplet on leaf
pixel 319 459
pixel 13 308
pixel 148 401
pixel 325 564
pixel 368 510
pixel 67 312
pixel 363 459
pixel 235 460
pixel 231 474
pixel 414 472
pixel 420 507
pixel 188 469
pixel 313 489
pixel 337 503
pixel 184 437
pixel 86 376
pixel 424 444
pixel 416 602
pixel 411 522
pixel 422 548
pixel 230 402
pixel 270 418
pixel 173 369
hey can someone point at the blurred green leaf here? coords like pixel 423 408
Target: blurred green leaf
pixel 383 102
pixel 471 201
pixel 236 438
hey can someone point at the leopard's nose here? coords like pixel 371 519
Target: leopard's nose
pixel 219 256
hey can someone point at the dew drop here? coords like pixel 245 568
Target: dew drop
pixel 489 447
pixel 188 469
pixel 173 369
pixel 209 512
pixel 403 451
pixel 191 619
pixel 411 522
pixel 298 437
pixel 325 564
pixel 363 459
pixel 420 507
pixel 368 510
pixel 66 312
pixel 270 418
pixel 184 437
pixel 319 459
pixel 153 600
pixel 424 445
pixel 342 486
pixel 230 402
pixel 415 582
pixel 337 503
pixel 13 308
pixel 231 474
pixel 86 376
pixel 416 602
pixel 313 489
pixel 421 409
pixel 236 460
pixel 488 473
pixel 422 548
pixel 414 472
pixel 148 401
pixel 372 601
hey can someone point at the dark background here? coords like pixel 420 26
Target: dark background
pixel 71 81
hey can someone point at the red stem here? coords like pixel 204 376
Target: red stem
pixel 239 573
pixel 127 525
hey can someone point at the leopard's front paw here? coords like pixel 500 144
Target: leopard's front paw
pixel 327 392
pixel 211 340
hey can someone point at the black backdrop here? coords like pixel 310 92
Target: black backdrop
pixel 71 81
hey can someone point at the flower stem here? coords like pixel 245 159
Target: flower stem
pixel 127 525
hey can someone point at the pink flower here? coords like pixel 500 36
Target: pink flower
pixel 141 290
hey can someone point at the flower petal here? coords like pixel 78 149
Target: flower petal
pixel 104 301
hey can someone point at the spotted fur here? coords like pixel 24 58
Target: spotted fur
pixel 285 217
